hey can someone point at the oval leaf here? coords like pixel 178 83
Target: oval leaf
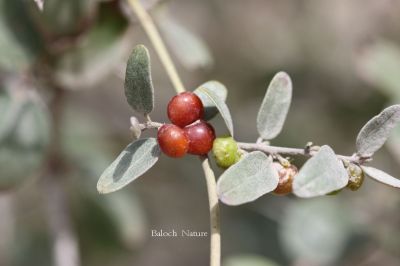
pixel 210 110
pixel 247 180
pixel 220 104
pixel 275 106
pixel 134 161
pixel 320 175
pixel 138 85
pixel 381 176
pixel 375 133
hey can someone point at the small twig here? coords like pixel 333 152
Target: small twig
pixel 155 38
pixel 150 125
pixel 215 247
pixel 308 151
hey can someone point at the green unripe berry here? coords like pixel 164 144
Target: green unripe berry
pixel 356 177
pixel 226 151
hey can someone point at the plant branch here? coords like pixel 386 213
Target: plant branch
pixel 155 38
pixel 158 44
pixel 215 247
pixel 150 125
pixel 307 151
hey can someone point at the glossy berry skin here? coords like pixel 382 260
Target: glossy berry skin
pixel 356 177
pixel 201 137
pixel 286 176
pixel 185 108
pixel 173 141
pixel 226 152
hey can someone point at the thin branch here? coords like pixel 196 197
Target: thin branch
pixel 215 247
pixel 308 151
pixel 158 44
pixel 150 125
pixel 155 38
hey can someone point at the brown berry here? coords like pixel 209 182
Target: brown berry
pixel 286 176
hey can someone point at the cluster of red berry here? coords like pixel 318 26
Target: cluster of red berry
pixel 188 133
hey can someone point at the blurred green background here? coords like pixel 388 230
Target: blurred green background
pixel 64 118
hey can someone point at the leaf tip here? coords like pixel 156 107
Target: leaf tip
pixel 284 79
pixel 101 188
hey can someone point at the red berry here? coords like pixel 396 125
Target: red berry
pixel 185 108
pixel 286 175
pixel 201 137
pixel 173 140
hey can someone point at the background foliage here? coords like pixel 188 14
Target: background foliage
pixel 342 75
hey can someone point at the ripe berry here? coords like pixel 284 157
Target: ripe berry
pixel 201 137
pixel 173 140
pixel 286 176
pixel 226 151
pixel 185 108
pixel 356 177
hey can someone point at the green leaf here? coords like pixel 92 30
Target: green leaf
pixel 20 42
pixel 377 130
pixel 248 260
pixel 138 85
pixel 134 161
pixel 320 175
pixel 315 231
pixel 219 103
pixel 250 178
pixel 189 48
pixel 275 106
pixel 210 110
pixel 381 176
